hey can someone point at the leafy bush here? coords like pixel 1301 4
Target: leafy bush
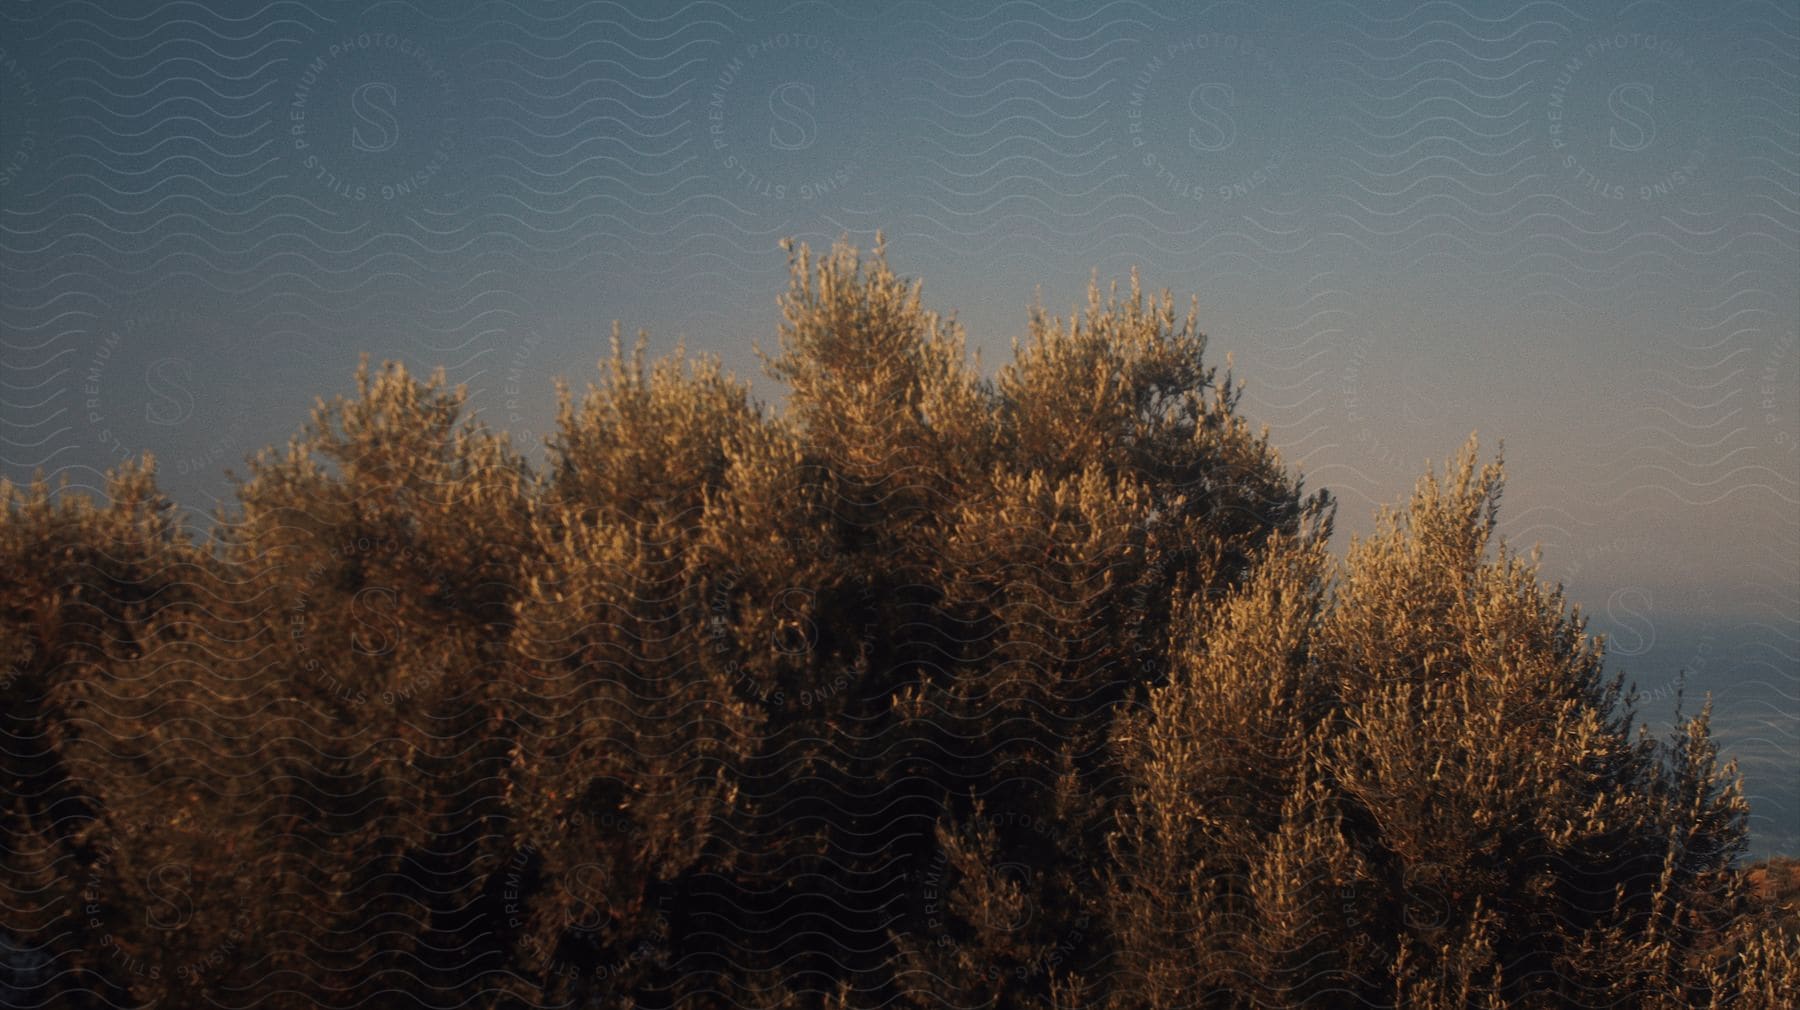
pixel 925 689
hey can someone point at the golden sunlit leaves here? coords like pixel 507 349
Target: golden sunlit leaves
pixel 925 689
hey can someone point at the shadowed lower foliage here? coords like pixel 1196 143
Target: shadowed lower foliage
pixel 926 689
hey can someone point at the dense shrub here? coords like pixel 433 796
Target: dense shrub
pixel 926 688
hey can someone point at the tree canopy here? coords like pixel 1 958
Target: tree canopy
pixel 926 688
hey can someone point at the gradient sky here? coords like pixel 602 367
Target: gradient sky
pixel 1574 227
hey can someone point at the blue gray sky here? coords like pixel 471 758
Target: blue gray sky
pixel 1574 227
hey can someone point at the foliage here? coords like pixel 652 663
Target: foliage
pixel 925 689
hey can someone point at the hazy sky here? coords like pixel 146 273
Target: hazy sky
pixel 1574 227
